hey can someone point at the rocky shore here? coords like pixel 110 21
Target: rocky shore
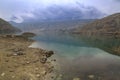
pixel 20 62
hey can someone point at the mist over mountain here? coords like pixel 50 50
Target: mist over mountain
pixel 60 13
pixel 51 26
pixel 57 17
pixel 7 28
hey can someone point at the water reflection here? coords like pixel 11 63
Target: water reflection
pixel 81 57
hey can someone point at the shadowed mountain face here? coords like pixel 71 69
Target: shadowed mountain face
pixel 6 28
pixel 108 25
pixel 51 26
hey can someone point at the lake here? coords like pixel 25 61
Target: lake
pixel 82 58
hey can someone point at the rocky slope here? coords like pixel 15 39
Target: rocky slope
pixel 106 26
pixel 6 27
pixel 20 62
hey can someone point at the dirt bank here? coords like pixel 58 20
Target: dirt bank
pixel 20 62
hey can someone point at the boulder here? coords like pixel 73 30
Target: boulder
pixel 18 52
pixel 49 53
pixel 43 60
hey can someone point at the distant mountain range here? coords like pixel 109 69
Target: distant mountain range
pixel 106 26
pixel 7 28
pixel 51 26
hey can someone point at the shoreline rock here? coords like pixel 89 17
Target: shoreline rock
pixel 23 62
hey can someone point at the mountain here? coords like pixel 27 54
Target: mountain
pixel 6 28
pixel 106 26
pixel 50 26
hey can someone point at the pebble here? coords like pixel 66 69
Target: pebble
pixel 36 68
pixel 60 77
pixel 76 78
pixel 6 60
pixel 53 60
pixel 38 75
pixel 28 62
pixel 3 74
pixel 11 71
pixel 14 54
pixel 13 76
pixel 91 76
pixel 44 72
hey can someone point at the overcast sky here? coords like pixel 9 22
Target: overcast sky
pixel 11 9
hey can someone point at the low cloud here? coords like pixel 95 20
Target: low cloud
pixel 26 10
pixel 117 0
pixel 57 12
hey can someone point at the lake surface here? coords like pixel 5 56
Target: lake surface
pixel 80 57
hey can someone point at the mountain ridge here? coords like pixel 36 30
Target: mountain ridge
pixel 106 25
pixel 6 27
pixel 51 25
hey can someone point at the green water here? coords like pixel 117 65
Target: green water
pixel 81 57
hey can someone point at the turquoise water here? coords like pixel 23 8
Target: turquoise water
pixel 78 58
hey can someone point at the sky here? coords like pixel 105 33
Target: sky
pixel 23 10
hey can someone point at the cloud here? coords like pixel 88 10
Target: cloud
pixel 59 12
pixel 22 10
pixel 117 0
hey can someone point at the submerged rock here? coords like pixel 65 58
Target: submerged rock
pixel 59 77
pixel 53 60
